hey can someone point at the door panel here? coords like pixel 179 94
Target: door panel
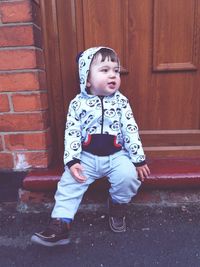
pixel 175 35
pixel 158 44
pixel 104 24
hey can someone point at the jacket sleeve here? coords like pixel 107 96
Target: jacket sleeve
pixel 132 142
pixel 72 138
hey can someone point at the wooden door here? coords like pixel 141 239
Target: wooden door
pixel 158 44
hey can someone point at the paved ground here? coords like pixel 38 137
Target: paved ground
pixel 164 237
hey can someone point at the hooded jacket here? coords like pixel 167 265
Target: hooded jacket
pixel 101 125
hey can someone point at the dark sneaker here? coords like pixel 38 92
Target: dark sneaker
pixel 56 234
pixel 117 219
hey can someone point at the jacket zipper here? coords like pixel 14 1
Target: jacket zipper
pixel 102 109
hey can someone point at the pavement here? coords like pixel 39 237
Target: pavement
pixel 163 235
pixel 166 237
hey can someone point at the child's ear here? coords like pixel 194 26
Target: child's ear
pixel 88 84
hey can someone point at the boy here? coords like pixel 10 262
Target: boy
pixel 101 139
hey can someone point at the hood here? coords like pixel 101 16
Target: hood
pixel 84 62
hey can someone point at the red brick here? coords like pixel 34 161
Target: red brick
pixel 146 197
pixel 6 161
pixel 40 58
pixel 22 35
pixel 1 144
pixel 20 59
pixel 36 13
pixel 30 102
pixel 28 141
pixel 22 81
pixel 4 103
pixel 28 197
pixel 23 122
pixel 32 159
pixel 18 11
pixel 37 2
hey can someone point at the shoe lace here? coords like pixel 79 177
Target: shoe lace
pixel 57 226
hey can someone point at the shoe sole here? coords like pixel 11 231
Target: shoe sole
pixel 119 230
pixel 116 230
pixel 36 240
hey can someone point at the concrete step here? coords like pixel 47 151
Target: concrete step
pixel 165 173
pixel 172 182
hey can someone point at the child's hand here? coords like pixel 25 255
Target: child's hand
pixel 77 172
pixel 143 172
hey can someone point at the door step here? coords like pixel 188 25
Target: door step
pixel 170 180
pixel 165 173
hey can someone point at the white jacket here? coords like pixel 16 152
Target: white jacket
pixel 100 125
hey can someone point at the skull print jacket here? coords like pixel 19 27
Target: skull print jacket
pixel 101 125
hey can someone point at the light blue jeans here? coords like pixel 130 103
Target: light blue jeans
pixel 119 170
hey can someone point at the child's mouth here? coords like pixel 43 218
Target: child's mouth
pixel 112 84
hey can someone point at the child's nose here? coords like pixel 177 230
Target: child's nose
pixel 112 73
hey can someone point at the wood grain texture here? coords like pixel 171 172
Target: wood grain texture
pixel 158 44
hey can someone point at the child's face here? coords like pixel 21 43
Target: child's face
pixel 104 77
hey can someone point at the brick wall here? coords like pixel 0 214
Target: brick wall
pixel 24 126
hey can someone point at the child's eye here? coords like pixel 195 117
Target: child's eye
pixel 104 70
pixel 117 71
